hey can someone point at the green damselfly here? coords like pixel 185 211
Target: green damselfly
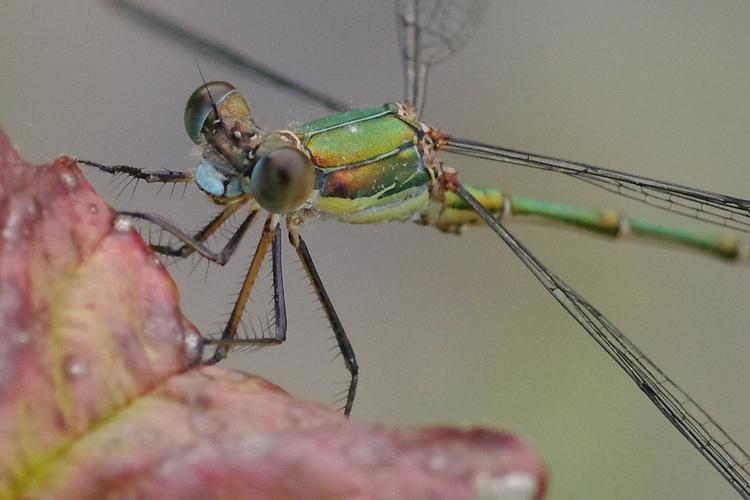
pixel 455 163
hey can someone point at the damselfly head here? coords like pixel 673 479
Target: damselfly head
pixel 217 106
pixel 219 120
pixel 273 168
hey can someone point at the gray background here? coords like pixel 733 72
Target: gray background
pixel 453 329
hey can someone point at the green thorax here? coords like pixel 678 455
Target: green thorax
pixel 369 164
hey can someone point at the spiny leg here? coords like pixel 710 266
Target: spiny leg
pixel 279 303
pixel 163 176
pixel 342 340
pixel 271 234
pixel 214 224
pixel 221 257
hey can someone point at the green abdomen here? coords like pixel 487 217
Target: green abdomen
pixel 369 167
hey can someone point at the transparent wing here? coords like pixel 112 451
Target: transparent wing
pixel 429 32
pixel 708 206
pixel 218 52
pixel 681 410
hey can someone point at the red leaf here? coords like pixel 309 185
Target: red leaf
pixel 101 392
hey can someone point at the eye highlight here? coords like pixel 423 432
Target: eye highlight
pixel 199 113
pixel 282 180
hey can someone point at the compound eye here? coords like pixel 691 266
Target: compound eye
pixel 282 180
pixel 199 109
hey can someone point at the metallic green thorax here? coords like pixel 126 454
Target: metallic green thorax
pixel 370 164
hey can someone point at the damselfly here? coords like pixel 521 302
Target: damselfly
pixel 666 331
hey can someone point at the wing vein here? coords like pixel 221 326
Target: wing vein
pixel 708 206
pixel 682 411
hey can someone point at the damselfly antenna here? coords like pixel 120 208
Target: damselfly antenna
pixel 218 122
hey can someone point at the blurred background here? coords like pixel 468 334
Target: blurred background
pixel 451 330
